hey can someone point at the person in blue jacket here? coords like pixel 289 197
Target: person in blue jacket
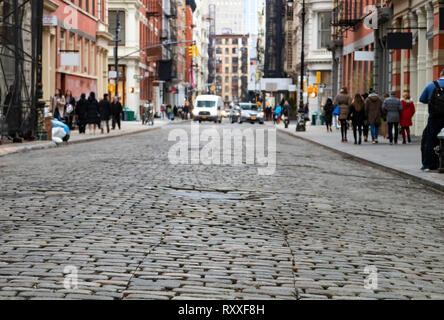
pixel 435 123
pixel 277 114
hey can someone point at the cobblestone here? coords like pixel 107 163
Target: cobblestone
pixel 137 227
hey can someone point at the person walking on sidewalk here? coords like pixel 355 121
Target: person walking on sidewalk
pixel 328 114
pixel 116 112
pixel 69 108
pixel 81 111
pixel 162 111
pixel 433 95
pixel 373 110
pixel 277 114
pixel 93 117
pixel 407 113
pixel 357 115
pixel 58 105
pixel 169 111
pixel 365 126
pixel 105 112
pixel 392 108
pixel 344 102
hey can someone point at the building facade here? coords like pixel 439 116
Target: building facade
pixel 317 58
pixel 414 68
pixel 138 50
pixel 81 28
pixel 232 67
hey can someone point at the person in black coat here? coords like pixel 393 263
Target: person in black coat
pixel 328 114
pixel 105 113
pixel 357 116
pixel 93 117
pixel 70 103
pixel 82 113
pixel 116 112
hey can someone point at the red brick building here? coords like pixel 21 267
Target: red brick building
pixel 81 29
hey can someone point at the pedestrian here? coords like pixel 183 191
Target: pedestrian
pixel 105 113
pixel 169 111
pixel 344 101
pixel 407 113
pixel 116 112
pixel 162 111
pixel 70 103
pixel 433 95
pixel 328 114
pixel 392 108
pixel 306 113
pixel 8 100
pixel 365 127
pixel 357 116
pixel 58 105
pixel 278 114
pixel 373 110
pixel 175 112
pixel 93 116
pixel 81 111
pixel 186 110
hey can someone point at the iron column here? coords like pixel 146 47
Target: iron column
pixel 301 123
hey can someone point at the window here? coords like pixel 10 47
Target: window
pixel 86 56
pixel 324 29
pixel 234 51
pixel 227 41
pixel 244 41
pixel 227 60
pixel 112 16
pixel 235 41
pixel 234 69
pixel 218 50
pixel 235 60
pixel 218 41
pixel 62 40
pixel 226 70
pixel 227 51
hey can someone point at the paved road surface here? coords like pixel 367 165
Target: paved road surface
pixel 135 226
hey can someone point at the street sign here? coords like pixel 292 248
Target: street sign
pixel 49 20
pixel 364 56
pixel 70 59
pixel 112 74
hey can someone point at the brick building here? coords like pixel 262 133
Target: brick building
pixel 232 67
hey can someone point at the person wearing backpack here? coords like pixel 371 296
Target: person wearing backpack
pixel 433 95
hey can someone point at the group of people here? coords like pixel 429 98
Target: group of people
pixel 368 111
pixel 282 111
pixel 86 111
pixel 170 112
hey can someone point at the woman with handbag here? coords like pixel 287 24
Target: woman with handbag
pixel 69 108
pixel 344 102
pixel 357 116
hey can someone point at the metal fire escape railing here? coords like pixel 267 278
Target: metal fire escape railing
pixel 20 69
pixel 347 14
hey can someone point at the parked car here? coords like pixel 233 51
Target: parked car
pixel 208 108
pixel 250 112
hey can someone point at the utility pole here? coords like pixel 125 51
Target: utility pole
pixel 37 11
pixel 116 56
pixel 301 123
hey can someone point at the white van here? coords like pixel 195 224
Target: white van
pixel 208 108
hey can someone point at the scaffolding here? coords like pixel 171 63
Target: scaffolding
pixel 21 109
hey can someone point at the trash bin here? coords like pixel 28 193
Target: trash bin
pixel 314 116
pixel 321 119
pixel 128 115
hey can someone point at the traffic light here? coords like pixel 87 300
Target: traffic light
pixel 193 51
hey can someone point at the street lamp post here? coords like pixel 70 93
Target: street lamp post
pixel 116 56
pixel 301 123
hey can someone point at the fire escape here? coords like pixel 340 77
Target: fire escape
pixel 347 15
pixel 21 111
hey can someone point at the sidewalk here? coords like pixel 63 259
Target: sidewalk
pixel 401 159
pixel 128 128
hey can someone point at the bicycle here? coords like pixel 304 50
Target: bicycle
pixel 148 117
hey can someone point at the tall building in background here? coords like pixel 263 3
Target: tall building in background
pixel 232 67
pixel 140 27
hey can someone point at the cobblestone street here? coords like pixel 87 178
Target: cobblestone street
pixel 137 227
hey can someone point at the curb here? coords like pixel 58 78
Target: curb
pixel 433 185
pixel 51 144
